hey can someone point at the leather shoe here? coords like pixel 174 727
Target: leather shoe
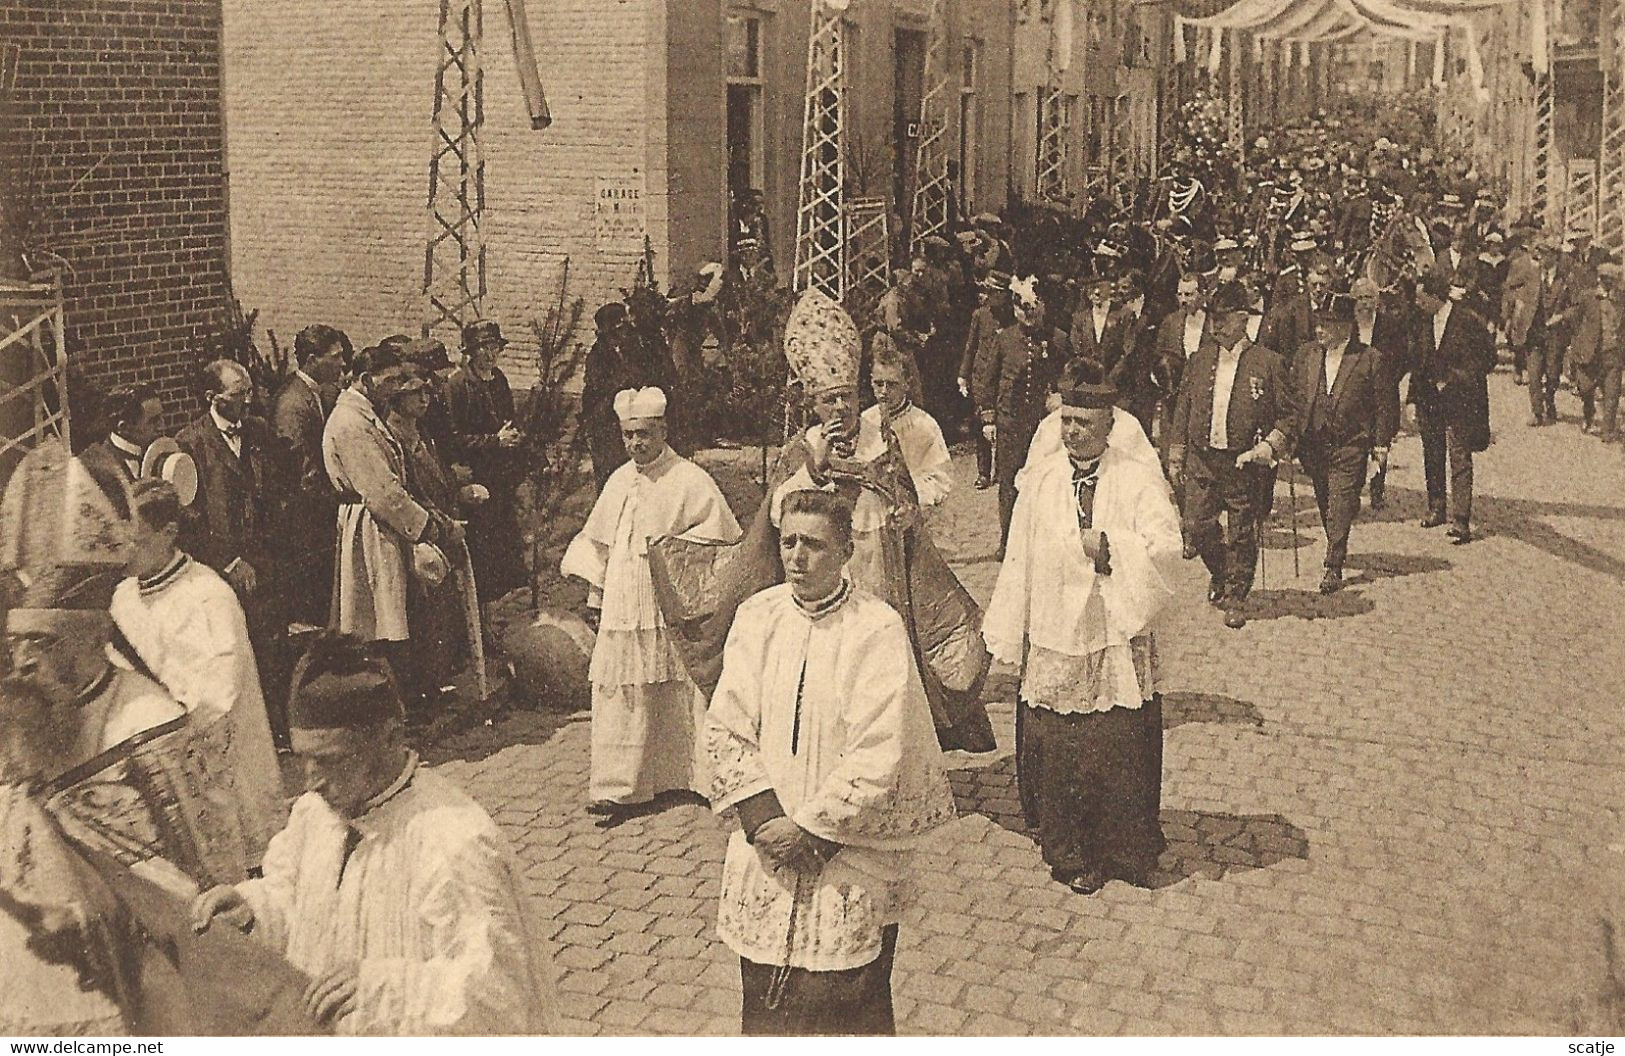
pixel 1086 883
pixel 1433 520
pixel 1535 421
pixel 1517 377
pixel 1188 552
pixel 982 483
pixel 1332 581
pixel 1460 536
pixel 1215 592
pixel 607 808
pixel 1234 618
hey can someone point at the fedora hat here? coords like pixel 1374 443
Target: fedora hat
pixel 165 460
pixel 483 334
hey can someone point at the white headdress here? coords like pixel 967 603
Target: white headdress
pixel 821 344
pixel 640 403
pixel 1025 289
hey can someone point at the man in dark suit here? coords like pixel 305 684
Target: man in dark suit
pixel 309 510
pixel 232 451
pixel 1132 364
pixel 1225 431
pixel 1453 356
pixel 1387 332
pixel 1094 330
pixel 1013 380
pixel 1338 421
pixel 1179 335
pixel 135 415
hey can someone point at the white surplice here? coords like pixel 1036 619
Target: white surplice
pixel 187 626
pixel 924 450
pixel 646 711
pixel 867 566
pixel 421 895
pixel 828 712
pixel 1082 639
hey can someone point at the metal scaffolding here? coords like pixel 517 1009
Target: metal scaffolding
pixel 1611 218
pixel 868 259
pixel 929 209
pixel 820 206
pixel 1054 143
pixel 454 259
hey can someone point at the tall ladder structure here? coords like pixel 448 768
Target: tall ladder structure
pixel 454 259
pixel 1546 197
pixel 928 213
pixel 1611 217
pixel 820 261
pixel 1053 126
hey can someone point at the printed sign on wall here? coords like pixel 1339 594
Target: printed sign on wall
pixel 619 211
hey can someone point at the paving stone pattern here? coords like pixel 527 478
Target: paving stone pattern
pixel 1393 810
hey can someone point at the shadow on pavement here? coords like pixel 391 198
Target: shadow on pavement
pixel 1181 708
pixel 1374 566
pixel 478 732
pixel 1307 605
pixel 1200 843
pixel 1210 845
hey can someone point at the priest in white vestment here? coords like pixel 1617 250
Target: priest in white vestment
pixel 391 888
pixel 187 626
pixel 918 434
pixel 646 711
pixel 821 741
pixel 1093 550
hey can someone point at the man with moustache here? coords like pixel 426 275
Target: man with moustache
pixel 1338 421
pixel 1223 436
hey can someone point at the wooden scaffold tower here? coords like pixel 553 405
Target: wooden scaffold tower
pixel 1611 217
pixel 821 213
pixel 454 259
pixel 929 209
pixel 33 368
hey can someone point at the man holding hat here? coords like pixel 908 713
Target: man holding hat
pixel 1224 434
pixel 1452 356
pixel 646 711
pixel 1093 552
pixel 134 415
pixel 1338 421
pixel 485 439
pixel 390 888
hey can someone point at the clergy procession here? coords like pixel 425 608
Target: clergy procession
pixel 224 781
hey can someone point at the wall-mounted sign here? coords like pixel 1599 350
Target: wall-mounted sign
pixel 618 212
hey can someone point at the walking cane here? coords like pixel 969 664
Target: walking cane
pixel 1292 497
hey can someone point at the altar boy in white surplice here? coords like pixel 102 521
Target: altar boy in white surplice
pixel 645 709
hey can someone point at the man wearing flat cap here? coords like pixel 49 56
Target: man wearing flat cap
pixel 390 888
pixel 1338 419
pixel 1094 548
pixel 1221 443
pixel 646 711
pixel 485 439
pixel 1452 354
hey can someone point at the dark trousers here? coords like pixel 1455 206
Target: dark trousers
pixel 1610 398
pixel 1520 359
pixel 854 1001
pixel 1337 474
pixel 1588 381
pixel 984 453
pixel 1012 443
pixel 1091 784
pixel 1443 443
pixel 1545 372
pixel 1213 485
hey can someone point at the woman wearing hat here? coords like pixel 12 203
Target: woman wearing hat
pixel 485 439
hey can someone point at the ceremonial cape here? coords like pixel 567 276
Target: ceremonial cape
pixel 700 593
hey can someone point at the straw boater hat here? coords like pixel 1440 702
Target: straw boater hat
pixel 165 460
pixel 821 344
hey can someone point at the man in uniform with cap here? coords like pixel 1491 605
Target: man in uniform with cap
pixel 1090 566
pixel 994 313
pixel 1339 420
pixel 646 711
pixel 819 739
pixel 187 626
pixel 380 525
pixel 390 888
pixel 1012 383
pixel 1451 358
pixel 485 439
pixel 1224 434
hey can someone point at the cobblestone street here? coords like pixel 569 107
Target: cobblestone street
pixel 1392 810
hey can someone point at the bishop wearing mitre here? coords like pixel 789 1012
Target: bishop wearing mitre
pixel 645 708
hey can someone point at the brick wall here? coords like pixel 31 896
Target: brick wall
pixel 112 140
pixel 328 117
